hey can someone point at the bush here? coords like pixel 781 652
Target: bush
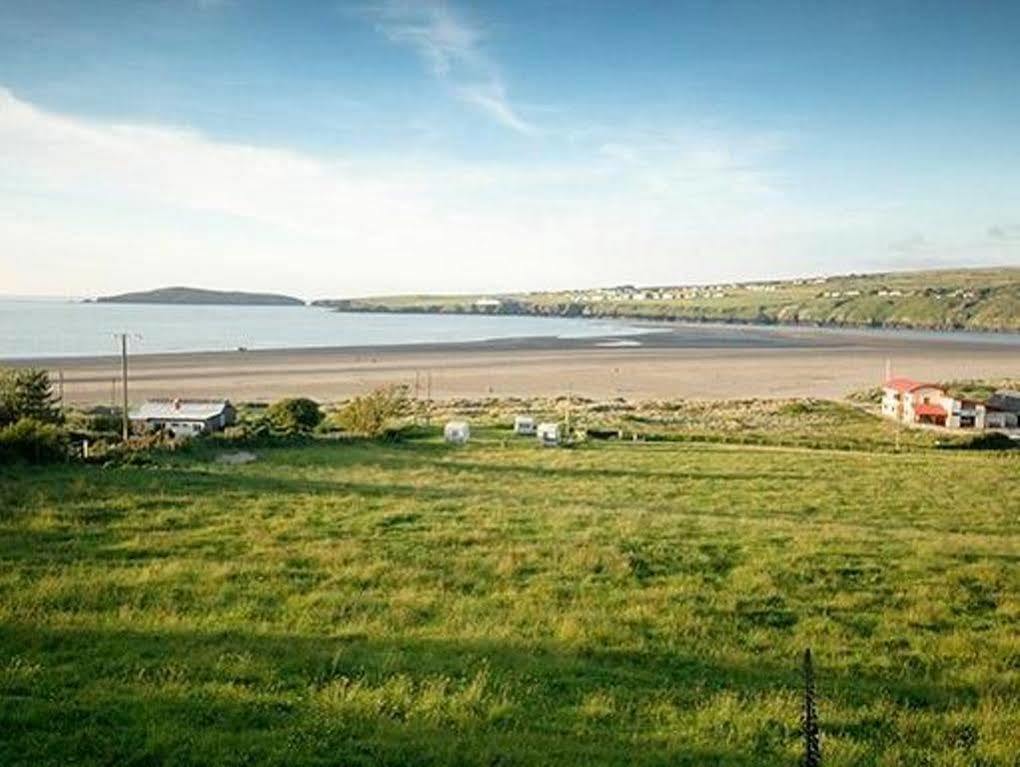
pixel 245 434
pixel 32 441
pixel 98 420
pixel 109 423
pixel 371 414
pixel 293 416
pixel 990 440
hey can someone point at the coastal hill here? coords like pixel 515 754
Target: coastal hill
pixel 182 295
pixel 958 299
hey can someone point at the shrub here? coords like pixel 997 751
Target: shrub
pixel 32 441
pixel 245 434
pixel 98 420
pixel 294 415
pixel 105 422
pixel 871 396
pixel 370 415
pixel 990 440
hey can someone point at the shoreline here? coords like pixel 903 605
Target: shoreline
pixel 659 334
pixel 691 321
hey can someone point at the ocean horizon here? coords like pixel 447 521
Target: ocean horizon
pixel 32 328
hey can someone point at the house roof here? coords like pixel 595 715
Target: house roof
pixel 905 385
pixel 933 410
pixel 179 409
pixel 1005 399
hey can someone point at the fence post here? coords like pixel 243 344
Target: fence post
pixel 809 716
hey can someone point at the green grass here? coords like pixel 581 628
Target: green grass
pixel 414 604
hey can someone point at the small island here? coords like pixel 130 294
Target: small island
pixel 199 296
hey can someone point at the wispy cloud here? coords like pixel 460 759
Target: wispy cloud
pixel 442 38
pixel 452 47
pixel 1005 232
pixel 913 245
pixel 491 98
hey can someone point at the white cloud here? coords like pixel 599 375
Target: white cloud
pixel 90 207
pixel 452 47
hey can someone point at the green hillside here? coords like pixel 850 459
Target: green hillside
pixel 193 296
pixel 970 299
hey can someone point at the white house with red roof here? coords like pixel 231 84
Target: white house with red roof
pixel 916 402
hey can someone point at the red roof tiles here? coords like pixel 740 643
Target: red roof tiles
pixel 904 385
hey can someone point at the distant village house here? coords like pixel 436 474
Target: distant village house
pixel 183 417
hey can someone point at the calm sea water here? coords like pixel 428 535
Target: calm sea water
pixel 32 328
pixel 51 327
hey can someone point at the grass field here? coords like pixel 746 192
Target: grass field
pixel 415 604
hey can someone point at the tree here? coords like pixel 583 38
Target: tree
pixel 27 393
pixel 295 415
pixel 370 414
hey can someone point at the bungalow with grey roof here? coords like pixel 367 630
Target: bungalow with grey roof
pixel 183 417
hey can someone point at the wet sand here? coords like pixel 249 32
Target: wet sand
pixel 703 362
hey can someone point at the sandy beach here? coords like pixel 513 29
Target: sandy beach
pixel 678 362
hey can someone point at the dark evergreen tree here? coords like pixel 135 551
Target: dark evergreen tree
pixel 27 393
pixel 809 716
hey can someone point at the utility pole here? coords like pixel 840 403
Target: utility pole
pixel 428 398
pixel 570 407
pixel 125 421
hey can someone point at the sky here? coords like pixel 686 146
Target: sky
pixel 332 149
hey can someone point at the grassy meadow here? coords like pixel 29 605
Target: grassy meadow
pixel 411 603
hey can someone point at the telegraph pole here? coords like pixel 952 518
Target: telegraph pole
pixel 125 421
pixel 428 399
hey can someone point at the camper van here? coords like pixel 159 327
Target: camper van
pixel 457 432
pixel 524 425
pixel 548 434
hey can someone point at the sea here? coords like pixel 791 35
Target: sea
pixel 37 328
pixel 34 328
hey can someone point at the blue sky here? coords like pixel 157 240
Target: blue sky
pixel 385 146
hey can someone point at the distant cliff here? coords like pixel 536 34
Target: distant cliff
pixel 179 295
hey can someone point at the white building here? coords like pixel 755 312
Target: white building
pixel 914 402
pixel 183 417
pixel 1003 409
